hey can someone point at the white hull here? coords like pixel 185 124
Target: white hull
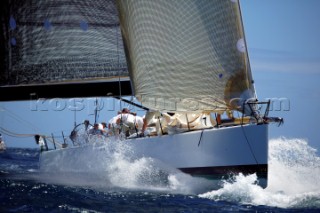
pixel 211 153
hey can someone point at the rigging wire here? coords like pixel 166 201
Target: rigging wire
pixel 75 113
pixel 96 111
pixel 119 80
pixel 19 119
pixel 247 140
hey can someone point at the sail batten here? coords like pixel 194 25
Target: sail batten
pixel 186 55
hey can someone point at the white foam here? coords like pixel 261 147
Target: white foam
pixel 294 175
pixel 116 166
pixel 124 170
pixel 294 179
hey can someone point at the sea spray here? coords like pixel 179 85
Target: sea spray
pixel 104 164
pixel 294 179
pixel 125 169
pixel 114 164
pixel 16 195
pixel 294 166
pixel 293 176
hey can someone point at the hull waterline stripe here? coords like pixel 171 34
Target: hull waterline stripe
pixel 260 169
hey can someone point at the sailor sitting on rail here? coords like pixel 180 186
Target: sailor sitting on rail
pixel 102 127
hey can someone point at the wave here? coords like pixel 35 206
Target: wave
pixel 18 160
pixel 294 179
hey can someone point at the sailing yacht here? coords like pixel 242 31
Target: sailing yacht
pixel 187 64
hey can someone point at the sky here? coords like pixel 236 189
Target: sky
pixel 284 49
pixel 283 44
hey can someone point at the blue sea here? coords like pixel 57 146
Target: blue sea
pixel 294 186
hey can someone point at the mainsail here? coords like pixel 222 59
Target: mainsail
pixel 186 55
pixel 60 42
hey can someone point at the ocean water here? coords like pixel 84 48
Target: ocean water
pixel 138 186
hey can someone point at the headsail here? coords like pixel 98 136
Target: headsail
pixel 186 55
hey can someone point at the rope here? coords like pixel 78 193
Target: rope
pixel 13 134
pixel 247 140
pixel 244 133
pixel 17 135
